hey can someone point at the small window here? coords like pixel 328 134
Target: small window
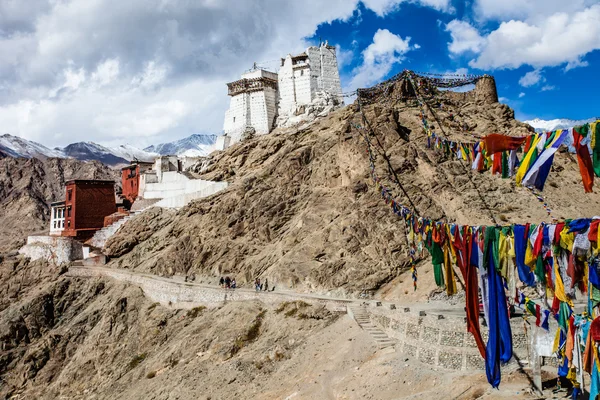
pixel 301 72
pixel 234 119
pixel 69 195
pixel 69 223
pixel 54 224
pixel 69 212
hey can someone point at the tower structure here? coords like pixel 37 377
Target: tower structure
pixel 307 83
pixel 303 76
pixel 253 104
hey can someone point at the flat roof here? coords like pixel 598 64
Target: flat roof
pixel 57 203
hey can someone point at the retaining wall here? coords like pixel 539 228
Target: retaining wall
pixel 167 291
pixel 444 343
pixel 54 249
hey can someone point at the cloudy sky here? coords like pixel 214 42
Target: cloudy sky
pixel 149 71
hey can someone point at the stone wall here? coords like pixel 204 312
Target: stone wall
pixel 443 343
pixel 263 106
pixel 168 291
pixel 286 86
pixel 330 76
pixel 54 249
pixel 303 89
pixel 236 117
pixel 485 90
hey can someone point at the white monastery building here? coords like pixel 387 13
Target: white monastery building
pixel 261 99
pixel 253 103
pixel 301 77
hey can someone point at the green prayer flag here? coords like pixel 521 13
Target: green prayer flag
pixel 540 273
pixel 596 150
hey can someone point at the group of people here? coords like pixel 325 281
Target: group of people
pixel 227 283
pixel 261 286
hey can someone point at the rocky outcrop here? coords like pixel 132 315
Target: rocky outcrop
pixel 321 106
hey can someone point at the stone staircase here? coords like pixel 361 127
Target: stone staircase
pixel 361 316
pixel 99 239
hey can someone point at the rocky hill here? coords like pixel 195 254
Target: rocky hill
pixel 27 186
pixel 302 212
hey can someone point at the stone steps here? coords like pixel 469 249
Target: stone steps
pixel 99 239
pixel 361 316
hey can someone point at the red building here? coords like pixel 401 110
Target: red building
pixel 130 179
pixel 87 202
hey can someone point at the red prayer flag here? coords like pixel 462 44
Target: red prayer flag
pixel 496 143
pixel 595 329
pixel 497 165
pixel 585 162
pixel 593 235
pixel 472 293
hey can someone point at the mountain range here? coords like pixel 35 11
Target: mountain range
pixel 541 125
pixel 192 146
pixel 196 145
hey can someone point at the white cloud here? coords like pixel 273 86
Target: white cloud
pixel 506 10
pixel 546 88
pixel 379 57
pixel 575 64
pixel 384 7
pixel 521 94
pixel 109 70
pixel 464 37
pixel 545 40
pixel 344 57
pixel 532 78
pixel 106 73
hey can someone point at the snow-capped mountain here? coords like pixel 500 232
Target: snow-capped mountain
pixel 131 153
pixel 15 146
pixel 192 146
pixel 87 151
pixel 541 125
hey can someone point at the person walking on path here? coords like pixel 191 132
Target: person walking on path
pixel 227 282
pixel 257 284
pixel 221 282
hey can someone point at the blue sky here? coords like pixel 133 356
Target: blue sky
pixel 149 71
pixel 558 93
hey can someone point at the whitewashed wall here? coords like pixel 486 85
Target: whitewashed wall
pixel 287 91
pixel 54 249
pixel 330 73
pixel 236 118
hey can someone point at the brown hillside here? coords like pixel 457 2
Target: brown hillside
pixel 303 212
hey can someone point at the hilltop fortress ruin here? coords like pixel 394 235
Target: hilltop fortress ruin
pixel 307 84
